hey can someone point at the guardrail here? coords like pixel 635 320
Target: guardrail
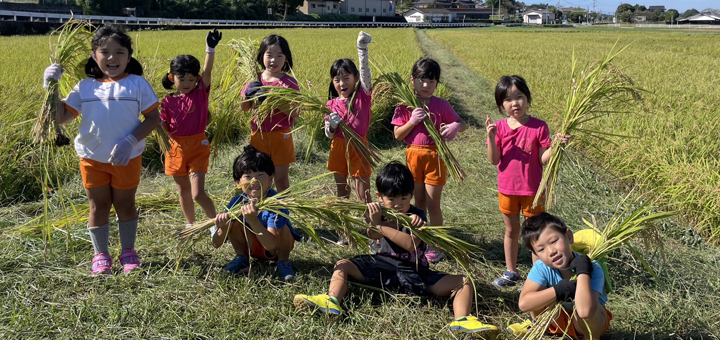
pixel 141 21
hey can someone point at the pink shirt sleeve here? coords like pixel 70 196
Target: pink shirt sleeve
pixel 401 115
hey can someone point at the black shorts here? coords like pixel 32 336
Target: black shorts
pixel 390 273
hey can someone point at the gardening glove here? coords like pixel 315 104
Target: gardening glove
pixel 120 155
pixel 54 72
pixel 255 90
pixel 565 290
pixel 363 39
pixel 449 131
pixel 212 39
pixel 581 264
pixel 334 120
pixel 417 116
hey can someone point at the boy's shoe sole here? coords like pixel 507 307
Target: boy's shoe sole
pixel 301 303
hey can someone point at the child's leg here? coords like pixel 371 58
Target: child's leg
pixel 362 189
pixel 284 245
pixel 420 196
pixel 186 198
pixel 124 202
pixel 100 201
pixel 342 187
pixel 200 196
pixel 282 177
pixel 238 235
pixel 462 303
pixel 595 324
pixel 344 269
pixel 434 192
pixel 512 233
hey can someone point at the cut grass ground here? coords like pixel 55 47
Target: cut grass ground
pixel 49 294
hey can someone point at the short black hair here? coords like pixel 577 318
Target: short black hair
pixel 505 84
pixel 534 226
pixel 117 33
pixel 252 160
pixel 346 65
pixel 426 68
pixel 274 39
pixel 395 179
pixel 179 67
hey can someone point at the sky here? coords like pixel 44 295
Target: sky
pixel 609 6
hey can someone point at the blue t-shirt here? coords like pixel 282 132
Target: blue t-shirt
pixel 548 277
pixel 268 219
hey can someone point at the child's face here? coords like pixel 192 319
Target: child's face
pixel 515 103
pixel 112 58
pixel 399 203
pixel 255 184
pixel 424 87
pixel 274 59
pixel 553 248
pixel 186 83
pixel 344 83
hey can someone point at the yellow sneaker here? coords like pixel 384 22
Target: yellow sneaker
pixel 471 325
pixel 322 302
pixel 519 329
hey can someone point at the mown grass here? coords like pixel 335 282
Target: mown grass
pixel 49 294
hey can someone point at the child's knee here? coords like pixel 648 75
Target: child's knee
pixel 343 265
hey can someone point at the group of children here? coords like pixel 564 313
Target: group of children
pixel 111 140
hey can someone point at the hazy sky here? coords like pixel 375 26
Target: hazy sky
pixel 608 6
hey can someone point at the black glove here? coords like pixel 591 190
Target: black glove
pixel 565 290
pixel 255 90
pixel 581 264
pixel 213 38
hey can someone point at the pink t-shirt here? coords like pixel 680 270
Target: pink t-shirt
pixel 279 120
pixel 359 120
pixel 440 112
pixel 187 114
pixel 520 170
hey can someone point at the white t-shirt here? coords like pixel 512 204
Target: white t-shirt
pixel 111 111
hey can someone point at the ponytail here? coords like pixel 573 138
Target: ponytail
pixel 92 69
pixel 167 83
pixel 134 67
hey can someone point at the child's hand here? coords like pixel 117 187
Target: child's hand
pixel 121 153
pixel 375 213
pixel 490 127
pixel 449 131
pixel 213 38
pixel 565 290
pixel 165 125
pixel 249 210
pixel 221 221
pixel 417 116
pixel 334 120
pixel 581 264
pixel 255 90
pixel 53 72
pixel 363 39
pixel 416 221
pixel 563 138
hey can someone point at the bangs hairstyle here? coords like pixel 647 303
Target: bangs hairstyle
pixel 114 32
pixel 505 84
pixel 252 160
pixel 395 179
pixel 426 68
pixel 534 226
pixel 274 39
pixel 179 67
pixel 345 65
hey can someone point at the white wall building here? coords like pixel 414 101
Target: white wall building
pixel 539 17
pixel 429 15
pixel 320 7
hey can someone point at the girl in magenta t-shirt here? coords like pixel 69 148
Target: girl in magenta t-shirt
pixel 519 146
pixel 185 116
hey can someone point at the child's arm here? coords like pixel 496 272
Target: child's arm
pixel 534 297
pixel 449 131
pixel 492 150
pixel 586 299
pixel 63 115
pixel 221 222
pixel 331 124
pixel 406 241
pixel 54 72
pixel 365 78
pixel 545 153
pixel 212 39
pixel 416 118
pixel 269 237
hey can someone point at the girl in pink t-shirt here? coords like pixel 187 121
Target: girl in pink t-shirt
pixel 185 115
pixel 272 136
pixel 519 146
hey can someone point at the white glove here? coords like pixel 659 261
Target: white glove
pixel 328 133
pixel 120 155
pixel 54 72
pixel 363 39
pixel 334 120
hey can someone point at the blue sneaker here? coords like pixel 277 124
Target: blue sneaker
pixel 239 265
pixel 508 279
pixel 285 271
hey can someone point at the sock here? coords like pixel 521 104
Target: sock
pixel 99 236
pixel 128 232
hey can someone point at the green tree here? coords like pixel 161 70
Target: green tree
pixel 624 8
pixel 640 8
pixel 689 13
pixel 671 15
pixel 626 16
pixel 577 17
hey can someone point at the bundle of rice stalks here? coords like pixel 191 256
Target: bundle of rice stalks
pixel 391 84
pixel 69 47
pixel 617 232
pixel 595 92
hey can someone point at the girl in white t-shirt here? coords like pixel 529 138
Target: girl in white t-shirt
pixel 110 139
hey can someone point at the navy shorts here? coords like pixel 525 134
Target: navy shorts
pixel 390 273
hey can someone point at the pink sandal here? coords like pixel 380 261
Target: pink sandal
pixel 129 260
pixel 101 264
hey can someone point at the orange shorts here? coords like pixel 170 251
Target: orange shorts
pixel 511 205
pixel 278 144
pixel 259 252
pixel 338 159
pixel 187 154
pixel 425 164
pixel 563 323
pixel 96 174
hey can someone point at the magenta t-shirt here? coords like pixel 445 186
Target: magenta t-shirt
pixel 187 114
pixel 359 120
pixel 440 112
pixel 520 169
pixel 278 120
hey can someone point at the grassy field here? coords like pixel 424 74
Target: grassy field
pixel 47 292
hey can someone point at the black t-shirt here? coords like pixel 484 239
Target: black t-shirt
pixel 387 247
